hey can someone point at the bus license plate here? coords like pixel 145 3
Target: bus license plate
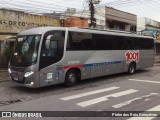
pixel 16 78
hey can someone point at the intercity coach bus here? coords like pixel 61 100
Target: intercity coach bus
pixel 51 55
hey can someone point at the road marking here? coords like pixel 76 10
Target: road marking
pixel 135 99
pixel 157 108
pixel 89 93
pixel 105 98
pixel 144 81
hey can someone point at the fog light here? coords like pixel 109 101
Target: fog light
pixel 27 74
pixel 9 70
pixel 32 83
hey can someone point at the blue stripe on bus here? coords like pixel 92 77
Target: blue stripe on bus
pixel 103 63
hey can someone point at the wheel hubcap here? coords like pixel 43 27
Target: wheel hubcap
pixel 132 69
pixel 72 77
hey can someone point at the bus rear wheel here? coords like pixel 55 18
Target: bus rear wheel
pixel 131 68
pixel 71 78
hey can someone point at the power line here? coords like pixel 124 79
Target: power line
pixel 48 4
pixel 124 3
pixel 43 7
pixel 37 5
pixel 25 7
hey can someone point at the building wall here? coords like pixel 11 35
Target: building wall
pixel 149 27
pixel 117 19
pixel 140 24
pixel 75 22
pixel 151 22
pixel 106 16
pixel 100 17
pixel 118 15
pixel 12 22
pixel 147 23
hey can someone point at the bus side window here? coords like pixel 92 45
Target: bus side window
pixel 79 41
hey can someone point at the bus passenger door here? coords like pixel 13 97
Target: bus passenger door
pixel 51 53
pixel 47 67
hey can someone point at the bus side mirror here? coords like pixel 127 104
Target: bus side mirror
pixel 48 41
pixel 47 44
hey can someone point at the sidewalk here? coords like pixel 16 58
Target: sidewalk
pixel 4 75
pixel 157 59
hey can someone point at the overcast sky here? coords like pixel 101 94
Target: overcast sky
pixel 142 8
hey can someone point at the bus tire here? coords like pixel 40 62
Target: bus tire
pixel 71 78
pixel 131 68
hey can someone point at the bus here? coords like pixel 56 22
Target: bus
pixel 45 56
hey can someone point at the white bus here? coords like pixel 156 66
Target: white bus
pixel 51 55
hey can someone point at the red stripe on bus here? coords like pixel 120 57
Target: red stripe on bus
pixel 73 66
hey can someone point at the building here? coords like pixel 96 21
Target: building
pixel 147 23
pixel 149 27
pixel 75 22
pixel 116 19
pixel 110 18
pixel 12 22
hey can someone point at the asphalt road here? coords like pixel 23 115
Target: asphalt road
pixel 121 92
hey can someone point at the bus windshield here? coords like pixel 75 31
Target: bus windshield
pixel 26 50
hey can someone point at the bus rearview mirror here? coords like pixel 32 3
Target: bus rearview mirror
pixel 47 44
pixel 48 40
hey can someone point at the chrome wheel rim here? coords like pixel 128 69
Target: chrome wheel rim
pixel 72 77
pixel 132 69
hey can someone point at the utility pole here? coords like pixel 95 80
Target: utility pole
pixel 92 11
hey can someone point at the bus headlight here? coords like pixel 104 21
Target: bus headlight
pixel 32 83
pixel 27 74
pixel 9 70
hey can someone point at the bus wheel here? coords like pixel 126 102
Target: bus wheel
pixel 131 68
pixel 71 78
